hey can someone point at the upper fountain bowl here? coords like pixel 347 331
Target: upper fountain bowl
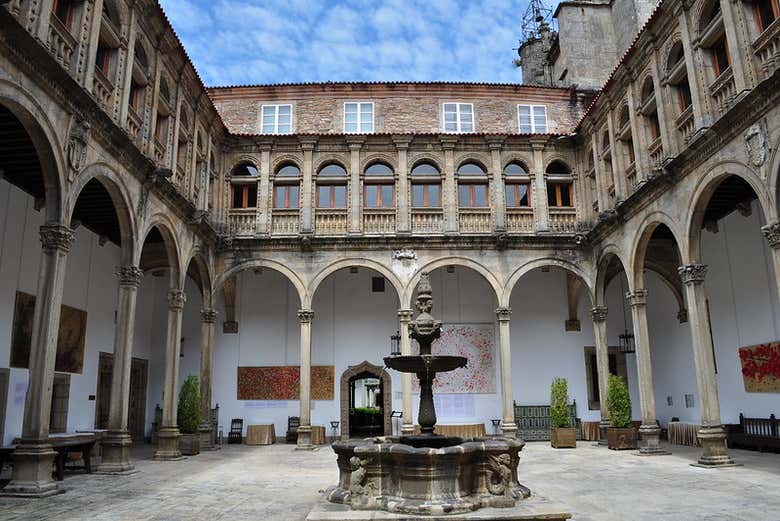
pixel 425 363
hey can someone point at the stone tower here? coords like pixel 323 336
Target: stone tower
pixel 535 57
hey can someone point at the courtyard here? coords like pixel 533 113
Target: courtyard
pixel 278 483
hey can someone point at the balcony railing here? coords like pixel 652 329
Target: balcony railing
pixel 685 125
pixel 656 153
pixel 134 124
pixel 723 91
pixel 474 220
pixel 329 221
pixel 159 151
pixel 61 42
pixel 519 220
pixel 379 221
pixel 631 177
pixel 104 90
pixel 427 220
pixel 563 220
pixel 767 49
pixel 285 221
pixel 243 221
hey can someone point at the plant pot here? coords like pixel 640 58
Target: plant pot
pixel 189 444
pixel 563 437
pixel 621 438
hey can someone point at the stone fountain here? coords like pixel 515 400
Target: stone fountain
pixel 427 475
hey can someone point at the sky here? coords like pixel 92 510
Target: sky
pixel 235 42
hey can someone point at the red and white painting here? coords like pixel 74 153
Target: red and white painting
pixel 475 342
pixel 761 367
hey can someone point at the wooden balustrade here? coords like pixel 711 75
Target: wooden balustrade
pixel 378 221
pixel 563 220
pixel 285 221
pixel 520 220
pixel 767 49
pixel 427 220
pixel 61 43
pixel 474 220
pixel 329 221
pixel 243 221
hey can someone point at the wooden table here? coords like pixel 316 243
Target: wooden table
pixel 590 431
pixel 318 435
pixel 63 444
pixel 467 430
pixel 684 433
pixel 260 434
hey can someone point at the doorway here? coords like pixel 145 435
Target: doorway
pixel 136 412
pixel 366 401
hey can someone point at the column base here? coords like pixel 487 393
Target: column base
pixel 713 443
pixel 32 474
pixel 603 426
pixel 649 440
pixel 116 454
pixel 509 429
pixel 304 438
pixel 205 437
pixel 168 444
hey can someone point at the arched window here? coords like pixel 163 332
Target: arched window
pixel 65 11
pixel 678 76
pixel 517 185
pixel 163 114
pixel 560 189
pixel 287 182
pixel 625 135
pixel 472 186
pixel 379 186
pixel 713 38
pixel 765 13
pixel 332 186
pixel 138 80
pixel 650 110
pixel 108 43
pixel 426 186
pixel 183 146
pixel 244 184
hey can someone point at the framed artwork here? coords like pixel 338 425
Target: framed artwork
pixel 284 383
pixel 761 367
pixel 70 340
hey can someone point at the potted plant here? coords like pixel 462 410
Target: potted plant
pixel 562 434
pixel 188 415
pixel 620 434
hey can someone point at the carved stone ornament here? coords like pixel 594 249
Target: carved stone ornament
pixel 637 298
pixel 129 276
pixel 208 316
pixel 405 315
pixel 755 144
pixel 55 237
pixel 405 254
pixel 772 234
pixel 599 313
pixel 692 273
pixel 176 299
pixel 77 145
pixel 503 314
pixel 499 474
pixel 305 316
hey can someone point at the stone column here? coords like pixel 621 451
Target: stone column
pixel 33 457
pixel 402 224
pixel 498 198
pixel 737 58
pixel 264 196
pixel 304 431
pixel 168 447
pixel 449 195
pixel 307 215
pixel 711 433
pixel 116 444
pixel 772 234
pixel 599 315
pixel 508 425
pixel 208 317
pixel 649 432
pixel 404 317
pixel 541 215
pixel 618 168
pixel 601 185
pixel 354 220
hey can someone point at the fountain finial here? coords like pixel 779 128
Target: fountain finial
pixel 424 293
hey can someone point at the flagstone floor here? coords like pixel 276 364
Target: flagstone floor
pixel 277 483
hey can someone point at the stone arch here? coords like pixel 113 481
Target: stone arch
pixel 516 158
pixel 705 188
pixel 242 160
pixel 609 251
pixel 378 157
pixel 172 247
pixel 47 145
pixel 570 267
pixel 327 159
pixel 359 262
pixel 423 157
pixel 559 158
pixel 479 159
pixel 387 395
pixel 285 159
pixel 773 176
pixel 205 283
pixel 641 241
pixel 120 197
pixel 300 287
pixel 451 261
pixel 675 39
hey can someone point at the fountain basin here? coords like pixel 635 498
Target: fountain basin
pixel 384 474
pixel 425 363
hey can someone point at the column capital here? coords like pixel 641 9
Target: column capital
pixel 176 299
pixel 503 314
pixel 772 234
pixel 208 316
pixel 56 237
pixel 692 273
pixel 305 316
pixel 405 315
pixel 129 276
pixel 599 313
pixel 637 297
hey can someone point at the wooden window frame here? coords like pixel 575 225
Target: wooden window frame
pixel 558 190
pixel 472 194
pixel 426 194
pixel 68 22
pixel 775 5
pixel 682 87
pixel 721 45
pixel 244 195
pixel 287 187
pixel 654 124
pixel 332 196
pixel 515 186
pixel 379 202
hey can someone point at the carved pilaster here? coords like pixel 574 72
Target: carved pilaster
pixel 692 273
pixel 637 298
pixel 503 314
pixel 305 315
pixel 129 276
pixel 208 316
pixel 772 234
pixel 55 237
pixel 176 299
pixel 599 313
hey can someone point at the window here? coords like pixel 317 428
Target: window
pixel 425 169
pixel 245 170
pixel 532 119
pixel 379 169
pixel 63 10
pixel 161 128
pixel 472 195
pixel 332 186
pixel 766 12
pixel 518 195
pixel 136 96
pixel 720 56
pixel 378 195
pixel 426 195
pixel 515 168
pixel 245 195
pixel 458 117
pixel 560 194
pixel 103 59
pixel 469 169
pixel 358 118
pixel 277 119
pixel 653 125
pixel 287 187
pixel 684 94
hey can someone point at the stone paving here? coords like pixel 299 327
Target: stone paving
pixel 277 483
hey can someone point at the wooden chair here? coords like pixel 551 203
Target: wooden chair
pixel 293 422
pixel 236 430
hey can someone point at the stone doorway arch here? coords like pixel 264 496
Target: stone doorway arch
pixel 387 395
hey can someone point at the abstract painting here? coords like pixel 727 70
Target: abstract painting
pixel 70 341
pixel 761 367
pixel 475 342
pixel 283 382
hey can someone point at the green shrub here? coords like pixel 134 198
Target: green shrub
pixel 189 406
pixel 367 410
pixel 559 403
pixel 618 402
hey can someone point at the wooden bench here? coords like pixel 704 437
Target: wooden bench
pixel 762 434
